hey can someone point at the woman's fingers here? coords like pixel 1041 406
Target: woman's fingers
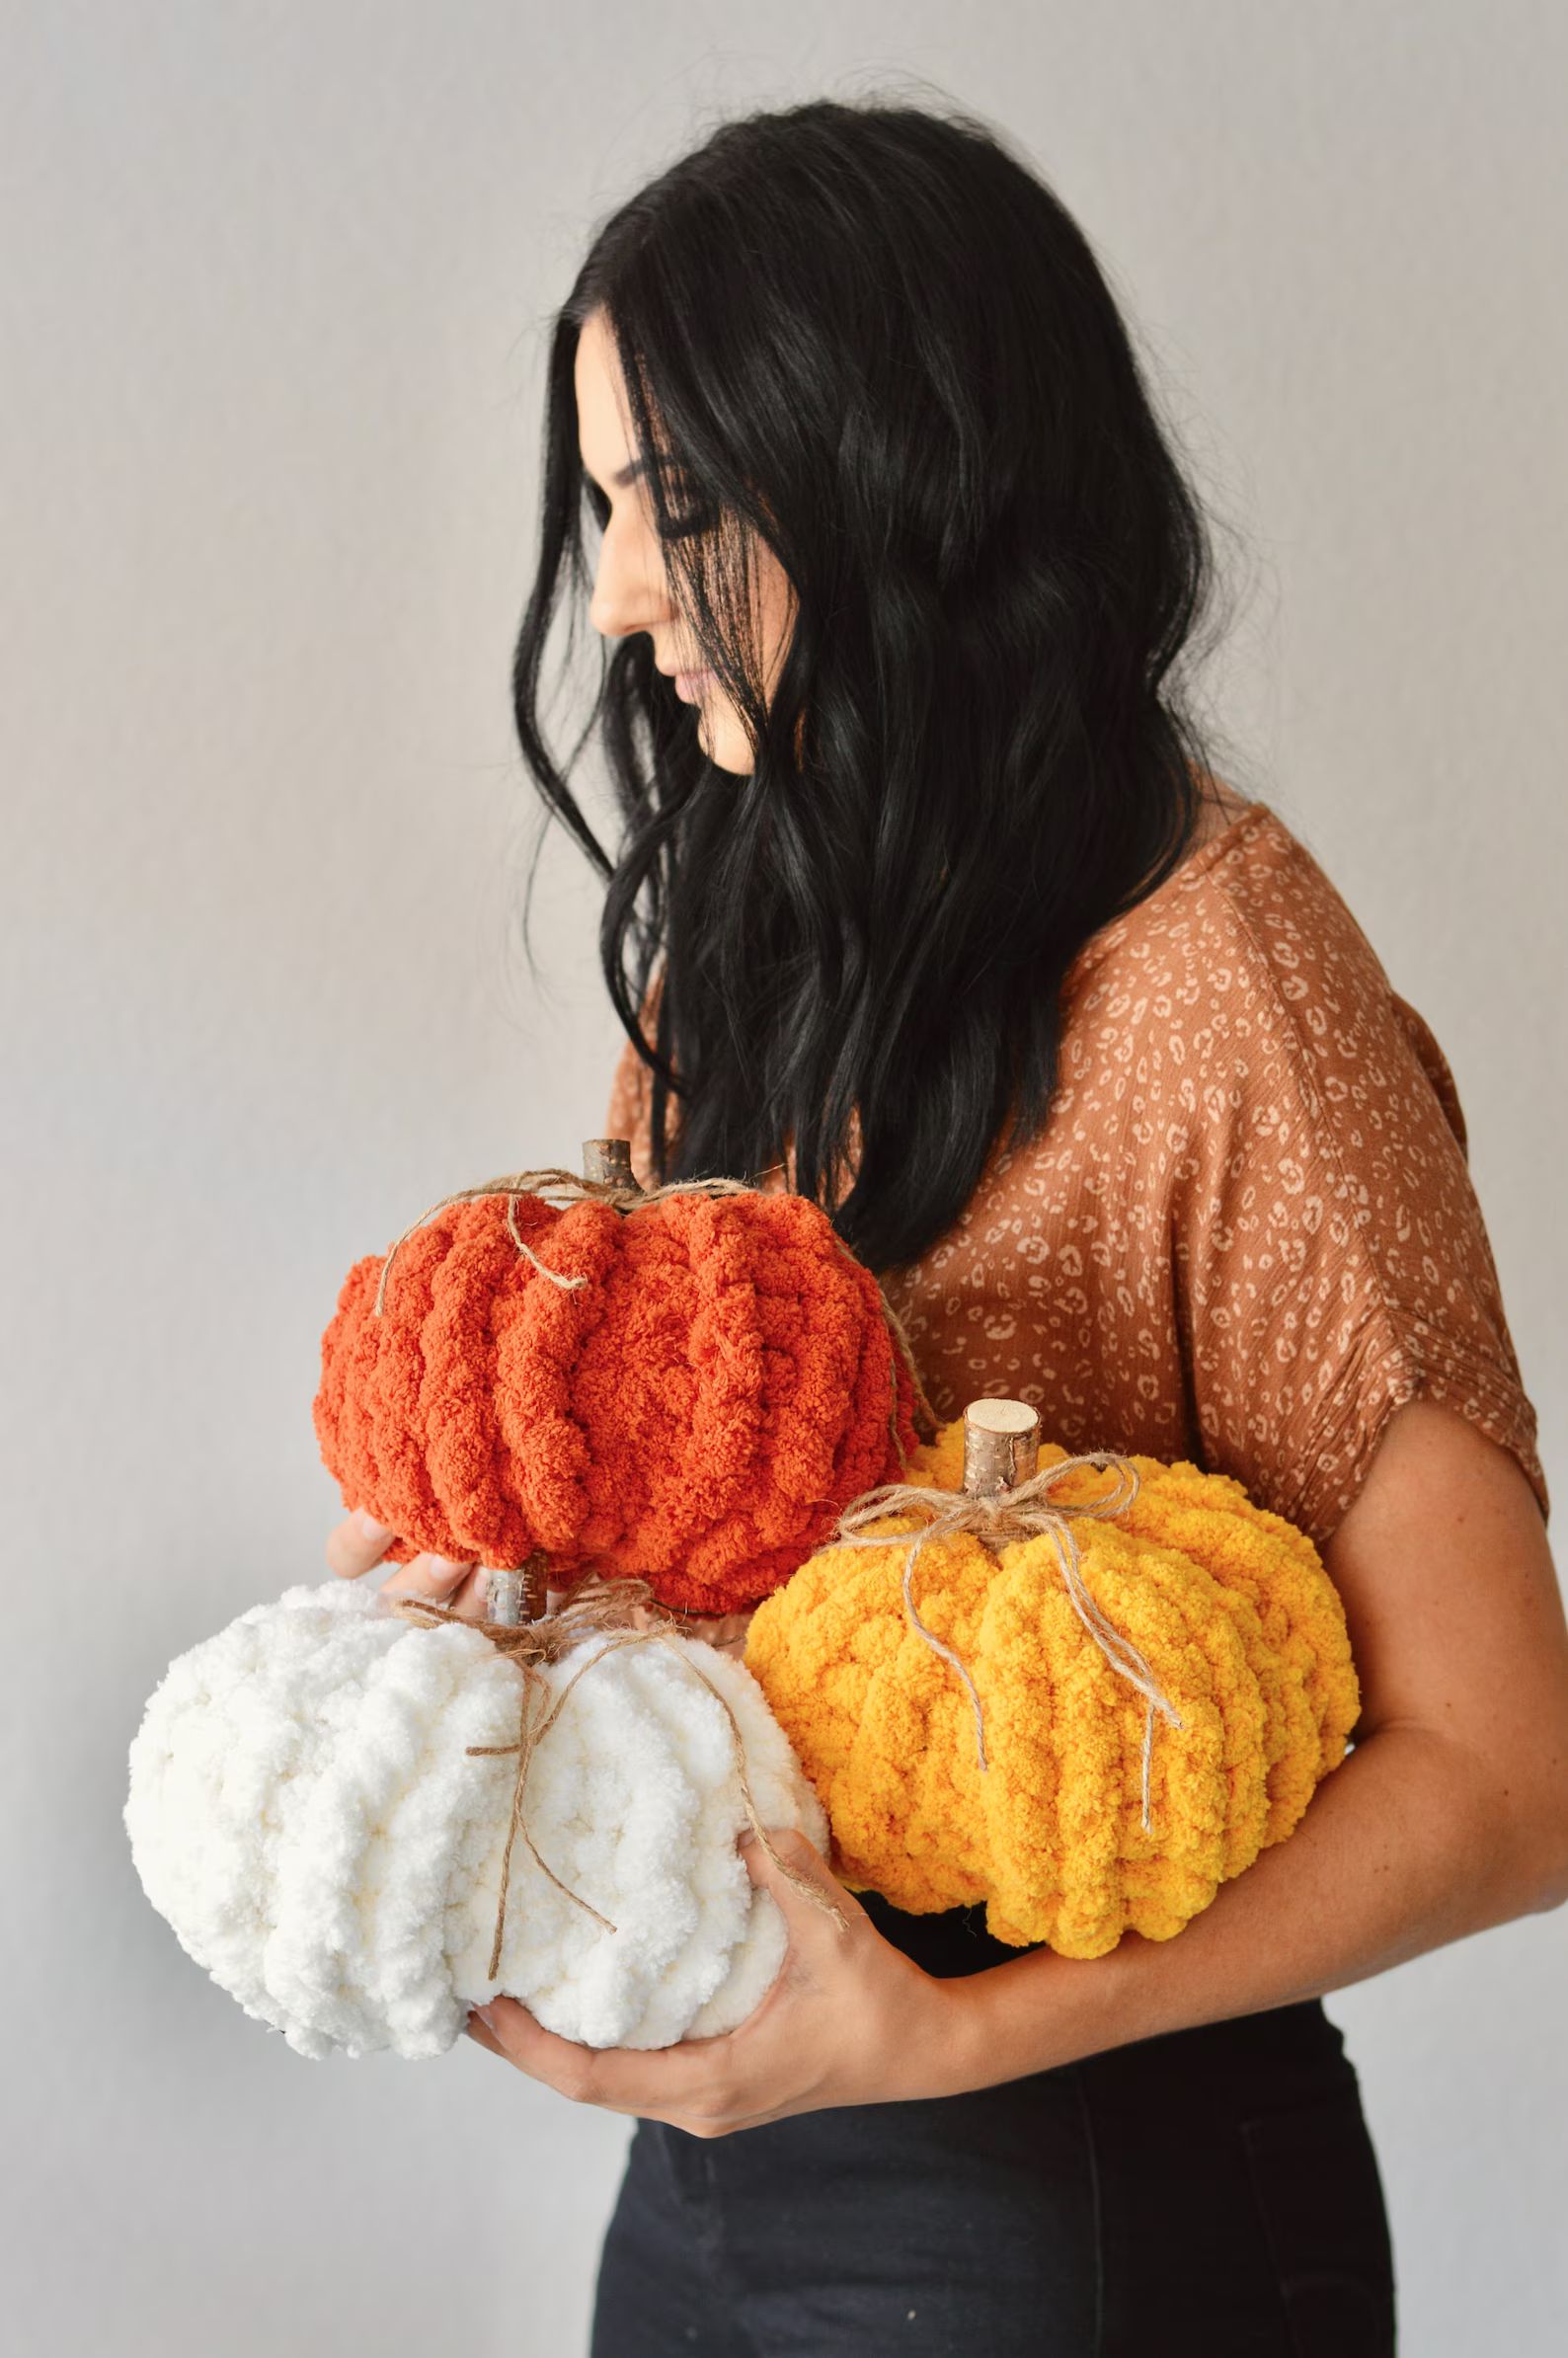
pixel 361 1541
pixel 472 1598
pixel 357 1544
pixel 435 1576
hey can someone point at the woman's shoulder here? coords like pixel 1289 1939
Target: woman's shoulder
pixel 1249 915
pixel 1236 888
pixel 1245 969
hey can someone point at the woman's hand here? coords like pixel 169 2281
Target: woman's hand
pixel 850 2020
pixel 359 1542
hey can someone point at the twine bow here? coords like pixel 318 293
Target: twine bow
pixel 595 1606
pixel 630 1197
pixel 1023 1512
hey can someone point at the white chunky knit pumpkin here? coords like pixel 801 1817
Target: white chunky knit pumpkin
pixel 304 1811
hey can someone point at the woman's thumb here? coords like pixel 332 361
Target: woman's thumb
pixel 794 1870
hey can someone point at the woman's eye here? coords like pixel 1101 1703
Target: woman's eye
pixel 690 512
pixel 687 513
pixel 690 520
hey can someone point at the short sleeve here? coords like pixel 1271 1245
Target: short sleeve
pixel 1331 1260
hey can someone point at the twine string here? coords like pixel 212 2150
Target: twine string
pixel 925 1417
pixel 597 1606
pixel 1022 1512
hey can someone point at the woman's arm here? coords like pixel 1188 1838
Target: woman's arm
pixel 1450 1815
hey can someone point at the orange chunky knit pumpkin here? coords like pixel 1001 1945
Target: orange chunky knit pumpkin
pixel 1221 1614
pixel 687 1387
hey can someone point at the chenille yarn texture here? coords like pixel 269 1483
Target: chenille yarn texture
pixel 304 1812
pixel 695 1414
pixel 1230 1607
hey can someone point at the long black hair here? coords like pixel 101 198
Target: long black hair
pixel 872 338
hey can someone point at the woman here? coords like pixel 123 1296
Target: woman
pixel 928 903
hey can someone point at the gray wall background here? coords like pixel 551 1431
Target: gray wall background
pixel 276 285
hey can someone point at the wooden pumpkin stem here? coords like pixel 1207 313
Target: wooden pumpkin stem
pixel 513 1597
pixel 608 1163
pixel 1001 1446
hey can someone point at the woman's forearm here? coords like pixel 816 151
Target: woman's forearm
pixel 1401 1849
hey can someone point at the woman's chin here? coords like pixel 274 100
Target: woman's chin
pixel 725 744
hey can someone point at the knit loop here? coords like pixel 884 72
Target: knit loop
pixel 1021 1512
pixel 594 1606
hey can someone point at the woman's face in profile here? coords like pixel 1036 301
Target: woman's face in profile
pixel 631 589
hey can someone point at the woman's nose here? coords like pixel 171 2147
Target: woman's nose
pixel 630 591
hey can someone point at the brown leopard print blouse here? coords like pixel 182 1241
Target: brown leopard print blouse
pixel 1247 1232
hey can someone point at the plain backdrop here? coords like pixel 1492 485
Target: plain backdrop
pixel 277 280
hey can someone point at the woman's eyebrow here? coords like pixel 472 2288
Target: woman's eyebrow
pixel 623 476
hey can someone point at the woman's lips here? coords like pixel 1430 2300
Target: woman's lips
pixel 689 684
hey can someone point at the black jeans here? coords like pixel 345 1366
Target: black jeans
pixel 1213 2191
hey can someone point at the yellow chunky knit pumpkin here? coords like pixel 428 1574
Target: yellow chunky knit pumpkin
pixel 1229 1608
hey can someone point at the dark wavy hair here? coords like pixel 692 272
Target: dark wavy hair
pixel 871 337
